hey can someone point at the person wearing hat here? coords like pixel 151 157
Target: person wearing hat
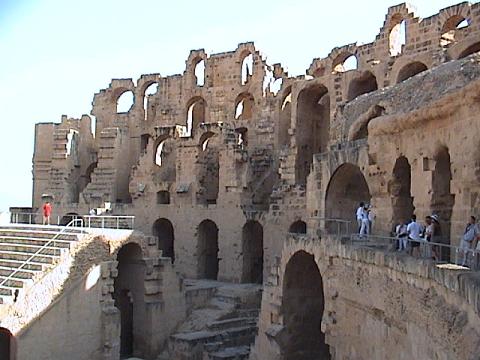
pixel 469 237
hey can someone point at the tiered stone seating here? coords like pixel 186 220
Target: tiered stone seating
pixel 25 255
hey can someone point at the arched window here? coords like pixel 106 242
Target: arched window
pixel 148 94
pixel 244 106
pixel 125 102
pixel 362 84
pixel 345 63
pixel 200 72
pixel 398 36
pixel 449 30
pixel 247 68
pixel 159 153
pixel 195 115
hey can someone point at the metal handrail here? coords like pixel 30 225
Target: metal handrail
pixel 88 219
pixel 44 246
pixel 426 245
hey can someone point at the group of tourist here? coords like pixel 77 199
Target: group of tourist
pixel 365 219
pixel 411 236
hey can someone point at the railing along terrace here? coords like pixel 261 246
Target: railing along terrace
pixel 439 252
pixel 89 221
pixel 333 226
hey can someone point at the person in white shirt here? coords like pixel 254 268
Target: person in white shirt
pixel 401 232
pixel 360 215
pixel 414 231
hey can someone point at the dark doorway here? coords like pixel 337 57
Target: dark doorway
pixel 163 230
pixel 207 250
pixel 252 250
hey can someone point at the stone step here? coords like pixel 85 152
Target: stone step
pixel 31 266
pixel 47 230
pixel 31 249
pixel 21 256
pixel 13 283
pixel 232 323
pixel 46 235
pixel 231 353
pixel 58 243
pixel 20 274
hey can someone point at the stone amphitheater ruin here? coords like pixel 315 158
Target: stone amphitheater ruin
pixel 232 192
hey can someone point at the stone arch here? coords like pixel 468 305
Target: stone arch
pixel 302 307
pixel 359 129
pixel 298 227
pixel 128 296
pixel 163 230
pixel 397 37
pixel 345 62
pixel 285 118
pixel 312 128
pixel 362 84
pixel 346 189
pixel 442 199
pixel 244 106
pixel 164 157
pixel 150 90
pixel 196 110
pixel 469 50
pixel 7 344
pixel 199 65
pixel 400 191
pixel 125 101
pixel 450 27
pixel 207 250
pixel 410 70
pixel 252 250
pixel 86 178
pixel 247 67
pixel 208 169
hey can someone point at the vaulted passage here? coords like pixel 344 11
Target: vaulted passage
pixel 363 84
pixel 302 308
pixel 346 189
pixel 312 128
pixel 6 344
pixel 442 199
pixel 163 230
pixel 129 299
pixel 207 250
pixel 410 70
pixel 252 250
pixel 400 192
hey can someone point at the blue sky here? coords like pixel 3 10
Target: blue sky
pixel 55 54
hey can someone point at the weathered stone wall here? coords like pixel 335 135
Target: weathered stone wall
pixel 377 305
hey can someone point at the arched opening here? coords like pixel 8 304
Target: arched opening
pixel 208 169
pixel 7 345
pixel 302 307
pixel 199 72
pixel 128 296
pixel 410 70
pixel 298 227
pixel 195 114
pixel 68 218
pixel 398 35
pixel 244 106
pixel 442 199
pixel 247 68
pixel 312 128
pixel 165 159
pixel 470 50
pixel 144 139
pixel 163 197
pixel 207 250
pixel 346 189
pixel 285 119
pixel 86 178
pixel 252 250
pixel 450 28
pixel 363 84
pixel 163 230
pixel 400 191
pixel 149 93
pixel 345 62
pixel 242 137
pixel 125 102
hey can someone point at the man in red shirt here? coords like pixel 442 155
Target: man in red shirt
pixel 47 211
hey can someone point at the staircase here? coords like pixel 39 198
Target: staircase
pixel 221 328
pixel 25 255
